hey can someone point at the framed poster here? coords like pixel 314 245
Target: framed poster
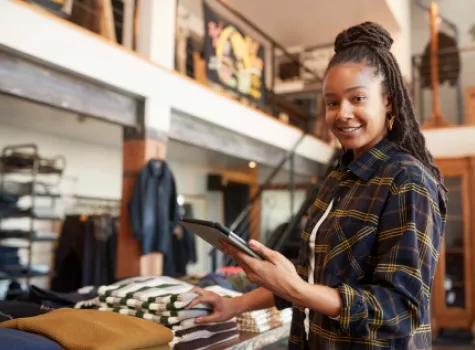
pixel 233 59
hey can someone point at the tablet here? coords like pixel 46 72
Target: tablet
pixel 213 232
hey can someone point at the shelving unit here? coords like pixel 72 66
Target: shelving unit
pixel 25 161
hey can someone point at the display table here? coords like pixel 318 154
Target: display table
pixel 256 340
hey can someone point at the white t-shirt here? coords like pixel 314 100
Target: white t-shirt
pixel 311 260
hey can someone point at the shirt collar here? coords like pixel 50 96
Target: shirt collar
pixel 366 165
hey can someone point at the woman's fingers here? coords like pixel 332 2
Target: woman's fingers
pixel 198 290
pixel 209 299
pixel 214 317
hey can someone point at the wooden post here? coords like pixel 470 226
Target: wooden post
pixel 138 149
pixel 436 119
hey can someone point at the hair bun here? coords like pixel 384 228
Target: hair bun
pixel 368 33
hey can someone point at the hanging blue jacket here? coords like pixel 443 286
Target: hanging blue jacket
pixel 154 210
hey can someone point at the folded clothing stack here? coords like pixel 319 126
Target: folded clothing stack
pixel 189 336
pixel 264 320
pixel 163 300
pixel 256 321
pixel 159 299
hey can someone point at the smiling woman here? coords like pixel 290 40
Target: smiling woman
pixel 356 106
pixel 369 249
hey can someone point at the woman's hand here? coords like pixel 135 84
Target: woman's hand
pixel 224 309
pixel 275 273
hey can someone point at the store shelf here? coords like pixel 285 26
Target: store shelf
pixel 44 170
pixel 43 195
pixel 25 159
pixel 35 236
pixel 24 274
pixel 27 213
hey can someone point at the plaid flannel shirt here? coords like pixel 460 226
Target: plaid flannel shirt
pixel 379 247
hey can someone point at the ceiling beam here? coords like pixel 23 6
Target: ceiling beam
pixel 199 133
pixel 27 78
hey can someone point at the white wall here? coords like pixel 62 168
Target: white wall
pixel 191 182
pixel 157 31
pixel 276 209
pixel 61 43
pixel 402 39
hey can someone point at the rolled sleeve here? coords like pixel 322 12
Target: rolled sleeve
pixel 397 301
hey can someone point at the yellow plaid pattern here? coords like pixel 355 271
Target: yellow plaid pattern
pixel 379 247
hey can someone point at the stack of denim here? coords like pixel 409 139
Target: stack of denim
pixel 8 204
pixel 9 260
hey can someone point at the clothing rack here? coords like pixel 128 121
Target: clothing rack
pixel 91 205
pixel 86 250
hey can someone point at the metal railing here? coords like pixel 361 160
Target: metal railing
pixel 246 221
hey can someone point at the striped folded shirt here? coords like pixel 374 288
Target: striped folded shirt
pixel 150 290
pixel 156 308
pixel 190 323
pixel 204 331
pixel 167 318
pixel 206 343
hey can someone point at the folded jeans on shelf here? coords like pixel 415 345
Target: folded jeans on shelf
pixel 17 188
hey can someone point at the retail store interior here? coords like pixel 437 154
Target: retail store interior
pixel 118 120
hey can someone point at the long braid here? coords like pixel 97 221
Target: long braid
pixel 370 43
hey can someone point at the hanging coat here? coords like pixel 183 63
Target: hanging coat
pixel 154 211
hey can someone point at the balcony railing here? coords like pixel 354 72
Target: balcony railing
pixel 291 89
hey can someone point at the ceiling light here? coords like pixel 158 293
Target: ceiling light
pixel 252 164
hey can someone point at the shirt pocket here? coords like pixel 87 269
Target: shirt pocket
pixel 351 244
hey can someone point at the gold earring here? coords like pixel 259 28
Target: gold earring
pixel 391 122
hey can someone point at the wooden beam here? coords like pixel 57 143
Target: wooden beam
pixel 27 78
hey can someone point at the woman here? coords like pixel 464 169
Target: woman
pixel 371 243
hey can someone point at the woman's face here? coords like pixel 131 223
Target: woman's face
pixel 356 106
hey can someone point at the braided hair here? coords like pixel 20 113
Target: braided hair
pixel 370 43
